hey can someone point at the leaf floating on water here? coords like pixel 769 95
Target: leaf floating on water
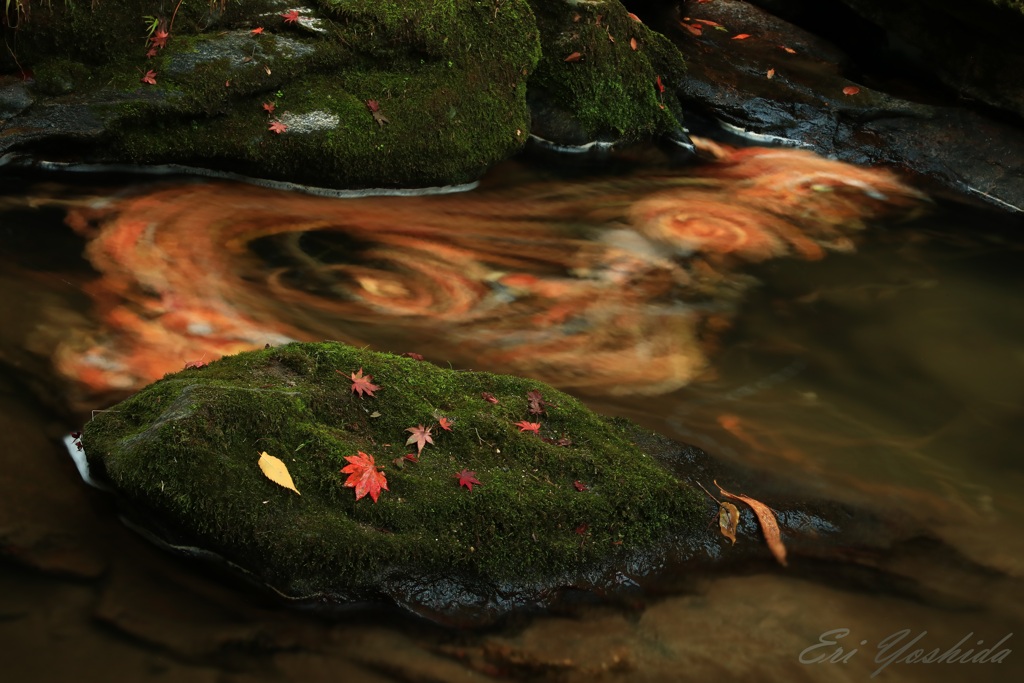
pixel 769 526
pixel 276 471
pixel 728 519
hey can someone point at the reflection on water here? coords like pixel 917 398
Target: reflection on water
pixel 607 285
pixel 892 377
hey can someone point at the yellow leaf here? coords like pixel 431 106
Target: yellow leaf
pixel 276 471
pixel 728 518
pixel 769 526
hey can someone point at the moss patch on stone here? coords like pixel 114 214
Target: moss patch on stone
pixel 612 89
pixel 183 453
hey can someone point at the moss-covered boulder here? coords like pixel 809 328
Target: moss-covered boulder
pixel 568 506
pixel 364 93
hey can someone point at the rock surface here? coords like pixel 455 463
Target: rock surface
pixel 370 94
pixel 784 85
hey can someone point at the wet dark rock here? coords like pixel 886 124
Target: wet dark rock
pixel 182 456
pixel 956 151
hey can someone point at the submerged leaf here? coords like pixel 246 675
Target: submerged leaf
pixel 276 471
pixel 769 526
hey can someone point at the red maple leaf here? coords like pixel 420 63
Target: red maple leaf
pixel 375 111
pixel 149 78
pixel 489 397
pixel 420 436
pixel 445 423
pixel 361 384
pixel 525 426
pixel 159 39
pixel 151 52
pixel 851 90
pixel 291 17
pixel 467 478
pixel 277 127
pixel 580 486
pixel 364 476
pixel 661 87
pixel 257 31
pixel 269 107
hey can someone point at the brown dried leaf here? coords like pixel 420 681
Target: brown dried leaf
pixel 728 518
pixel 276 471
pixel 769 526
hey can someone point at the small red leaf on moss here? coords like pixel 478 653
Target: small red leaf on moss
pixel 377 114
pixel 582 529
pixel 151 52
pixel 257 31
pixel 414 356
pixel 159 39
pixel 851 90
pixel 580 486
pixel 741 36
pixel 525 426
pixel 661 86
pixel 269 107
pixel 574 57
pixel 149 78
pixel 277 127
pixel 445 423
pixel 632 43
pixel 467 478
pixel 489 397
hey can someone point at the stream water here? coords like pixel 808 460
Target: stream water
pixel 890 375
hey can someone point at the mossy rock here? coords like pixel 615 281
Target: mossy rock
pixel 182 455
pixel 451 78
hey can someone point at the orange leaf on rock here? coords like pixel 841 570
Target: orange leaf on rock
pixel 741 36
pixel 277 127
pixel 851 90
pixel 771 73
pixel 788 49
pixel 634 17
pixel 257 31
pixel 769 526
pixel 149 78
pixel 728 519
pixel 695 29
pixel 364 476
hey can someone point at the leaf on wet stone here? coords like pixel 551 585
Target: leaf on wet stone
pixel 851 90
pixel 769 525
pixel 277 127
pixel 728 519
pixel 276 471
pixel 740 36
pixel 771 73
pixel 291 17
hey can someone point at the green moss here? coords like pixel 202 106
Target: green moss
pixel 184 451
pixel 612 90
